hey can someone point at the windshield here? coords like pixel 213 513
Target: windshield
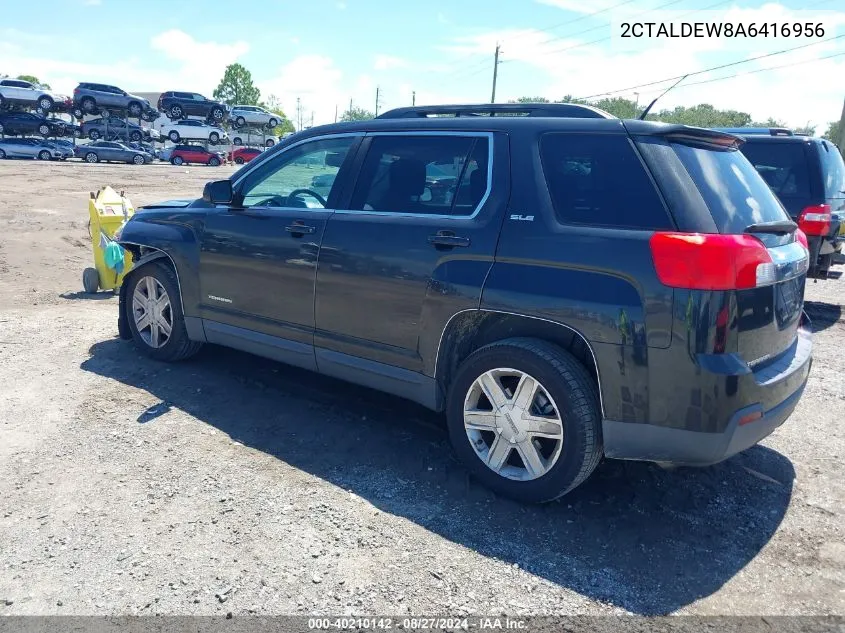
pixel 735 193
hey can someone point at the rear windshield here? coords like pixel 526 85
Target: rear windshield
pixel 833 171
pixel 732 189
pixel 783 166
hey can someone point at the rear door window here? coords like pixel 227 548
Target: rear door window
pixel 736 195
pixel 783 166
pixel 598 179
pixel 833 170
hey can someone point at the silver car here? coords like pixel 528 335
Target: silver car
pixel 29 148
pixel 110 151
pixel 253 115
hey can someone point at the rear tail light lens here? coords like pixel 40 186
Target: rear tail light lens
pixel 815 220
pixel 801 238
pixel 703 261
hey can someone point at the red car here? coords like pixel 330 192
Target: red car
pixel 194 154
pixel 244 154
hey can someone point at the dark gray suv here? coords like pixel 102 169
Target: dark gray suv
pixel 91 98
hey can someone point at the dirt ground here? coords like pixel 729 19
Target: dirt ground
pixel 233 484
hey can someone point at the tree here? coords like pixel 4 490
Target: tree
pixel 357 114
pixel 808 130
pixel 833 133
pixel 33 80
pixel 531 100
pixel 274 105
pixel 236 87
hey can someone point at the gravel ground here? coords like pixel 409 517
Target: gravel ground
pixel 233 484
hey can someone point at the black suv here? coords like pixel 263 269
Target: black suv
pixel 808 175
pixel 178 105
pixel 564 285
pixel 24 123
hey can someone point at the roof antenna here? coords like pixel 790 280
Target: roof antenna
pixel 649 106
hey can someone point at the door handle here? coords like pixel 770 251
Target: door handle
pixel 447 239
pixel 298 230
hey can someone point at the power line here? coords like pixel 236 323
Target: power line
pixel 567 22
pixel 758 70
pixel 707 70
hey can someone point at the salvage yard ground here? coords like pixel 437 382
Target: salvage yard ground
pixel 234 484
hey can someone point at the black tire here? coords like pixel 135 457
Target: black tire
pixel 237 141
pixel 1 128
pixel 178 346
pixel 177 160
pixel 88 105
pixel 214 138
pixel 574 392
pixel 217 113
pixel 214 161
pixel 91 157
pixel 239 160
pixel 270 142
pixel 240 121
pixel 173 136
pixel 134 109
pixel 2 154
pixel 135 136
pixel 44 155
pixel 94 135
pixel 176 112
pixel 90 280
pixel 78 113
pixel 44 130
pixel 272 123
pixel 138 159
pixel 45 103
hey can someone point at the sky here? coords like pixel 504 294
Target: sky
pixel 328 52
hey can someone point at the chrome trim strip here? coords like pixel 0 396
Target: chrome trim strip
pixel 574 331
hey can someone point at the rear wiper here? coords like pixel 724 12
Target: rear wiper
pixel 779 227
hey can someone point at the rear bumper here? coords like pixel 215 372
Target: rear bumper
pixel 774 392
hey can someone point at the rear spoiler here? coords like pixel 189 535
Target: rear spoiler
pixel 685 134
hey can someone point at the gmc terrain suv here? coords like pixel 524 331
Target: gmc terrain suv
pixel 92 98
pixel 808 175
pixel 564 285
pixel 178 105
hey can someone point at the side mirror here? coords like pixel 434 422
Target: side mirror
pixel 218 192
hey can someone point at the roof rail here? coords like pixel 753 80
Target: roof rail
pixel 745 131
pixel 571 110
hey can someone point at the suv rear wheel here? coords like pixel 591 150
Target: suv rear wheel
pixel 217 113
pixel 154 313
pixel 88 104
pixel 176 112
pixel 135 109
pixel 524 418
pixel 45 103
pixel 173 136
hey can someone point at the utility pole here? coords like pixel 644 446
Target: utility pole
pixel 637 103
pixel 842 130
pixel 414 98
pixel 312 119
pixel 335 113
pixel 495 72
pixel 298 115
pixel 378 88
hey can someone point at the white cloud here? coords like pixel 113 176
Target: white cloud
pixel 797 94
pixel 315 80
pixel 579 6
pixel 389 62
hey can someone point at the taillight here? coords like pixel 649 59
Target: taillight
pixel 704 261
pixel 801 238
pixel 815 220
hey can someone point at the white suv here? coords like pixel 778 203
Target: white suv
pixel 27 93
pixel 254 115
pixel 193 130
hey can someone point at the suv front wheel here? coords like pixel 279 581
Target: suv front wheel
pixel 524 418
pixel 154 313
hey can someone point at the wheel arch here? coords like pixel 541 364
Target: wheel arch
pixel 469 330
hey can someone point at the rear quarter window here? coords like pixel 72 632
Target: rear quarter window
pixel 783 165
pixel 736 195
pixel 599 180
pixel 833 170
